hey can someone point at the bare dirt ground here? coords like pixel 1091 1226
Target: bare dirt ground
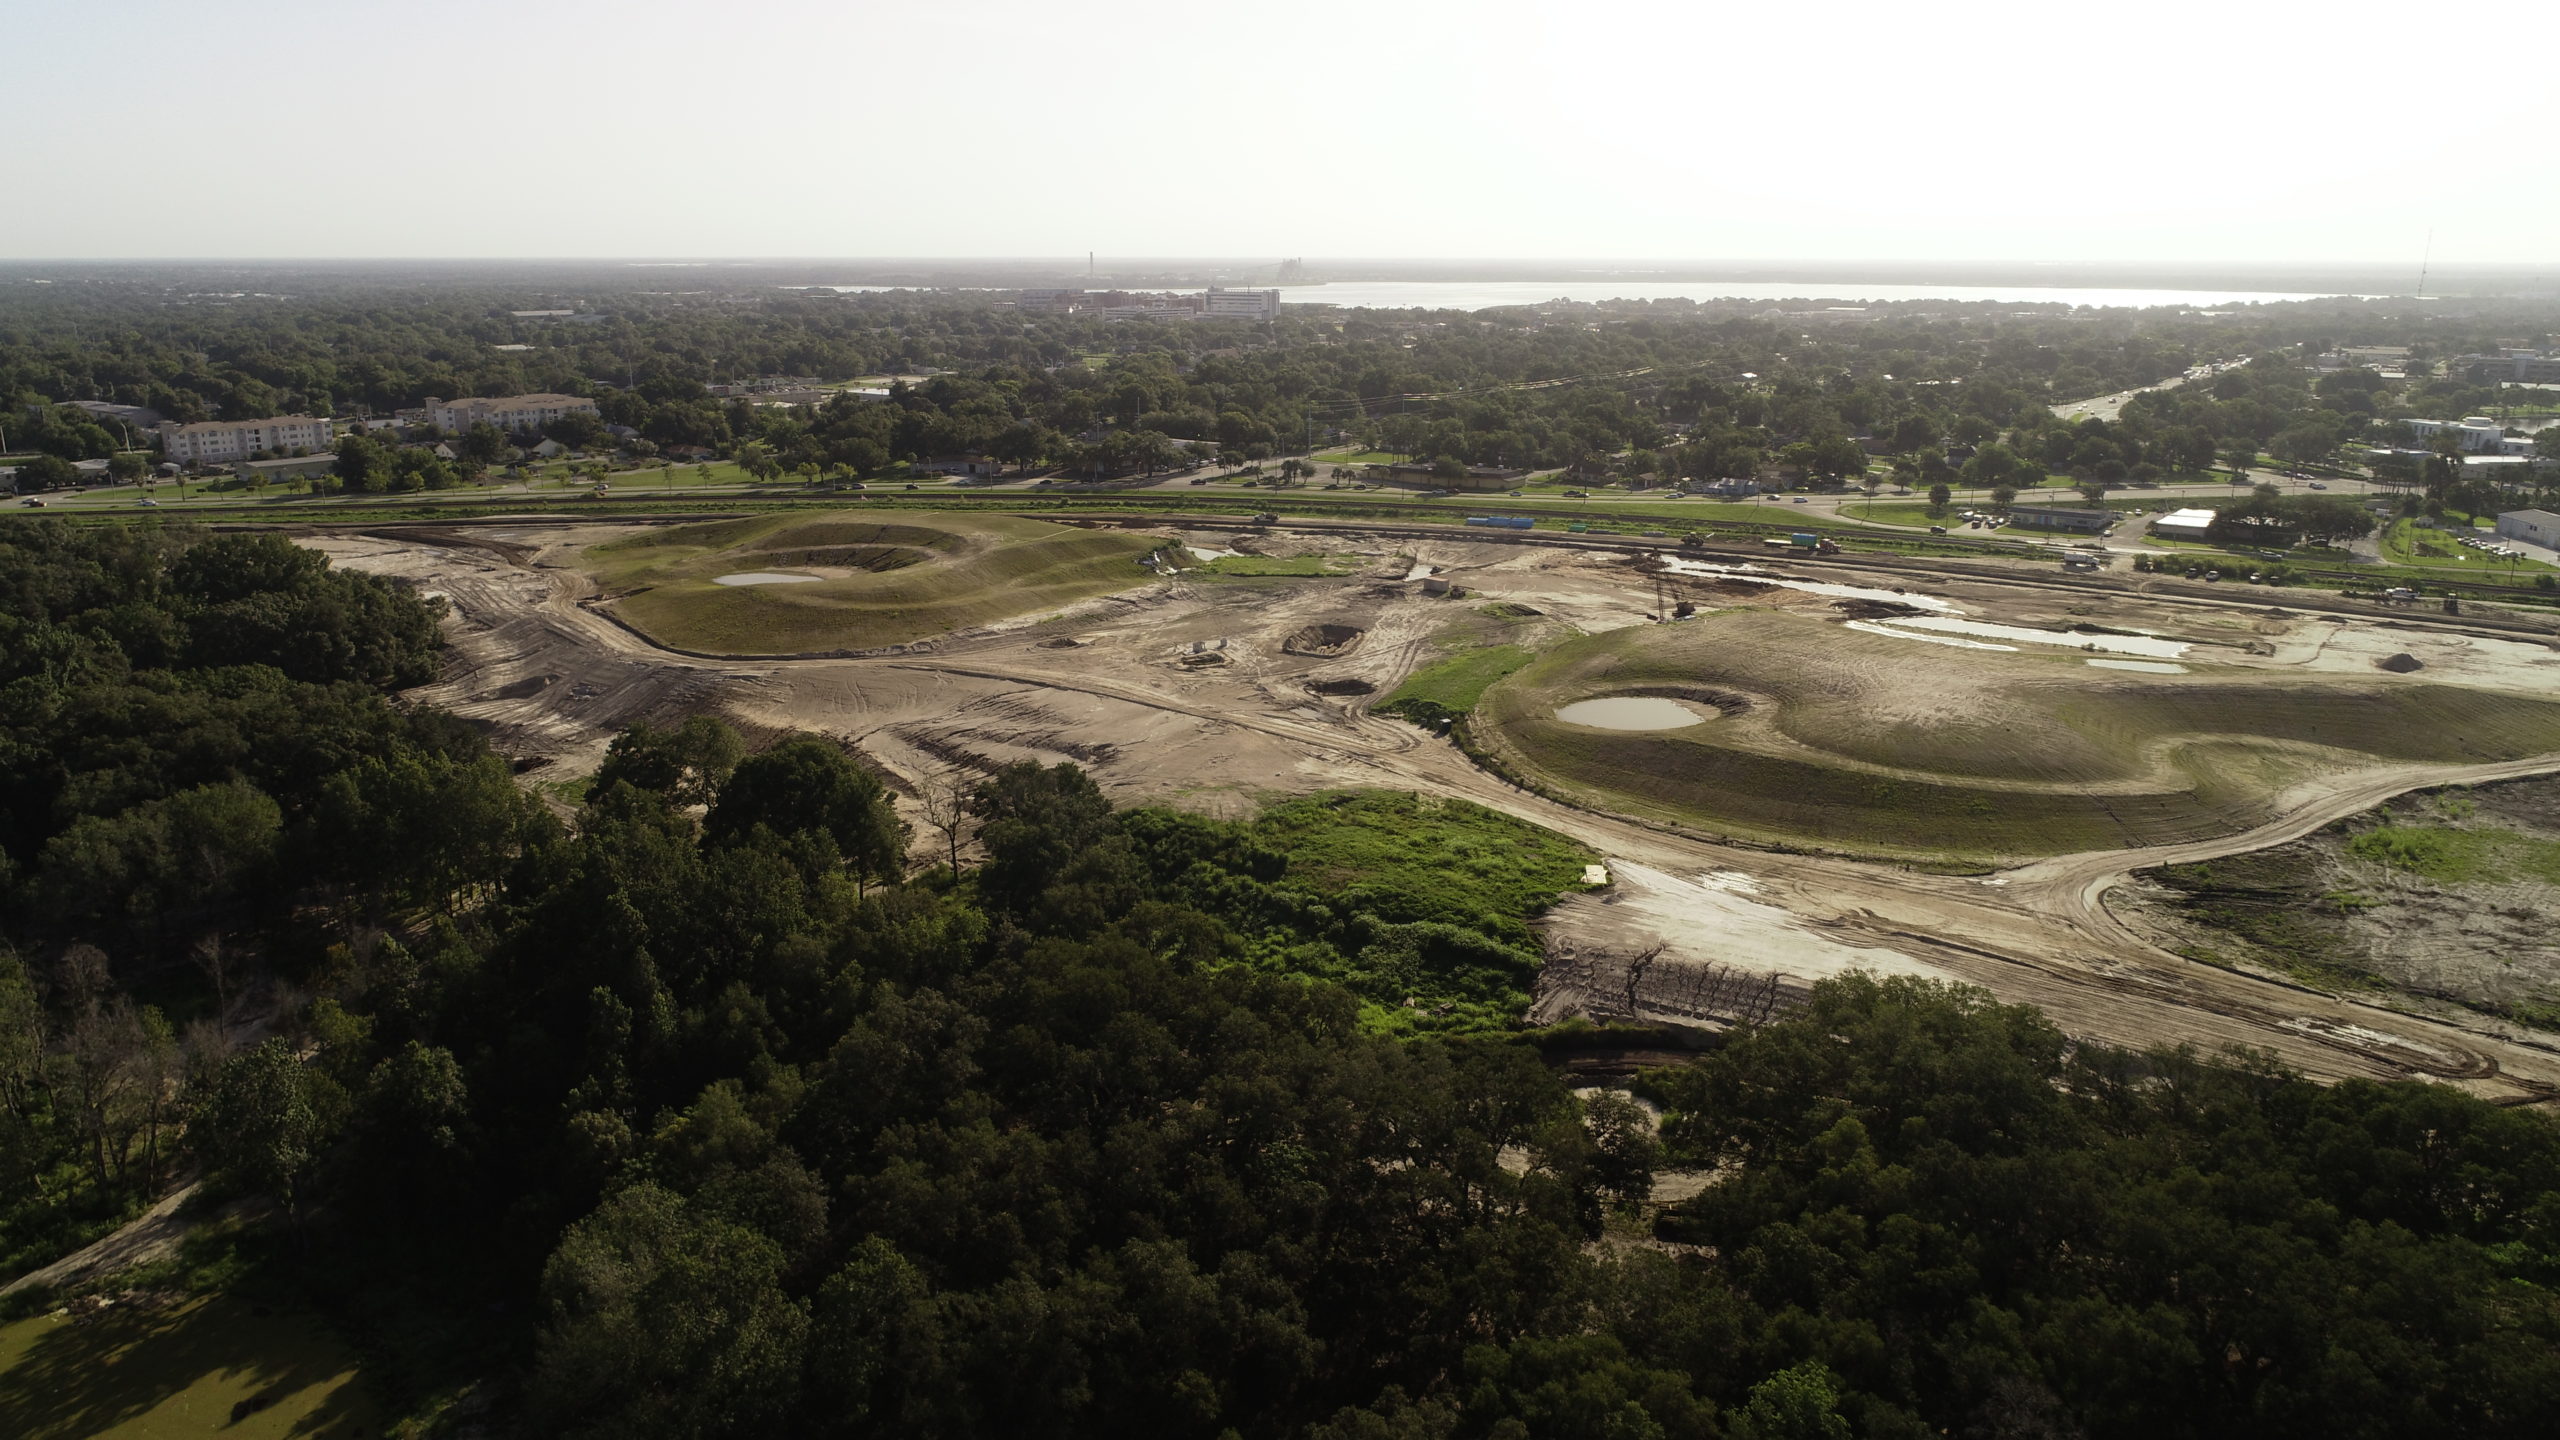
pixel 1182 693
pixel 151 1236
pixel 2477 937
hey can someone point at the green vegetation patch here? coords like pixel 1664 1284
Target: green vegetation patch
pixel 881 581
pixel 1447 688
pixel 1419 906
pixel 205 1365
pixel 2454 856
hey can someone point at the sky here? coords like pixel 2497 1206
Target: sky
pixel 2174 131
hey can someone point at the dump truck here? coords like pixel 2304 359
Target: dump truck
pixel 1807 540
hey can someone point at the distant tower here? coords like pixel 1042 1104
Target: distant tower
pixel 1293 272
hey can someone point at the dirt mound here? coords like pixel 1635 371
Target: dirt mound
pixel 1327 641
pixel 528 687
pixel 1874 609
pixel 875 558
pixel 2401 664
pixel 1064 642
pixel 1342 687
pixel 1204 660
pixel 1741 587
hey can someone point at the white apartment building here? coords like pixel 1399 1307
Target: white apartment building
pixel 508 412
pixel 2479 434
pixel 1221 303
pixel 225 442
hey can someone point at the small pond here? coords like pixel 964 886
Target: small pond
pixel 764 577
pixel 1631 712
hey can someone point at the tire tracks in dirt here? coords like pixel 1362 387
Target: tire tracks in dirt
pixel 2038 934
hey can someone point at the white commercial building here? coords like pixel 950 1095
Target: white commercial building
pixel 1220 303
pixel 2534 527
pixel 223 442
pixel 508 412
pixel 2479 435
pixel 2184 524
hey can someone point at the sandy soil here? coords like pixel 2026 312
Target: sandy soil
pixel 2484 942
pixel 1181 693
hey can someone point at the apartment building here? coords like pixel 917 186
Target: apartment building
pixel 224 442
pixel 1221 303
pixel 507 412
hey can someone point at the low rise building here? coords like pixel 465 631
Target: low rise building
pixel 2515 367
pixel 297 467
pixel 2478 434
pixel 2534 527
pixel 2078 518
pixel 507 412
pixel 140 417
pixel 2184 524
pixel 1730 487
pixel 225 442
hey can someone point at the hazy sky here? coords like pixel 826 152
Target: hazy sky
pixel 2174 130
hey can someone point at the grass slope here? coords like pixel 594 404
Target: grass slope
pixel 1875 745
pixel 887 581
pixel 129 1373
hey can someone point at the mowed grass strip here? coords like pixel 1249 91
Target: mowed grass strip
pixel 210 1366
pixel 1876 745
pixel 884 582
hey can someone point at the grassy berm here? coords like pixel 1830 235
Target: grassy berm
pixel 1841 740
pixel 2445 897
pixel 877 582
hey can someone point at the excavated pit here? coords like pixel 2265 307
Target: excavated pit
pixel 1324 641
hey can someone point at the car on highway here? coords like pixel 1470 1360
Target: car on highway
pixel 1799 500
pixel 2316 485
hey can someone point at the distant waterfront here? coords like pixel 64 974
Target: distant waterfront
pixel 1483 294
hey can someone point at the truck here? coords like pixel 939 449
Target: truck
pixel 1502 522
pixel 1807 540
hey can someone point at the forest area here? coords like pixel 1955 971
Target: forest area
pixel 727 1107
pixel 1944 392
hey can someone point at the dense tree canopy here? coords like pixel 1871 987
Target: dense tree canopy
pixel 705 1114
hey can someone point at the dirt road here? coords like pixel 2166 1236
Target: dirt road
pixel 1181 693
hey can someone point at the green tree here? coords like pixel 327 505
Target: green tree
pixel 259 1127
pixel 666 1322
pixel 45 472
pixel 758 461
pixel 1939 495
pixel 1798 1403
pixel 687 764
pixel 809 786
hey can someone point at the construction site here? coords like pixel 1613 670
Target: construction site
pixel 1796 764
